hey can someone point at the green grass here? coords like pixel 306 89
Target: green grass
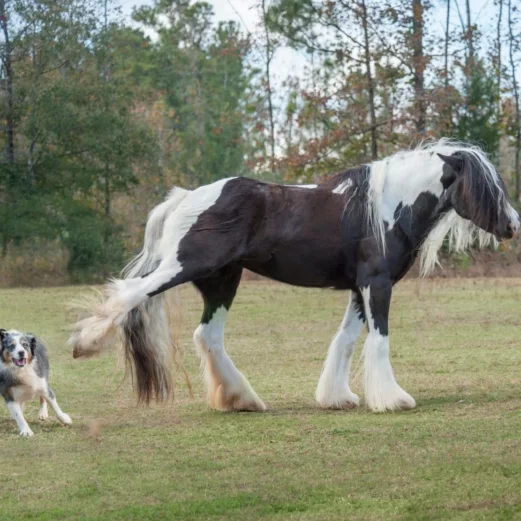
pixel 455 347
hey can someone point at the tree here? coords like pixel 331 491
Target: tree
pixel 301 23
pixel 514 45
pixel 74 133
pixel 269 54
pixel 202 71
pixel 477 119
pixel 419 65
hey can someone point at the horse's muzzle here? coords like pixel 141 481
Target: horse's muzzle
pixel 512 228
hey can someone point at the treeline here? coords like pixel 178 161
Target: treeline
pixel 100 116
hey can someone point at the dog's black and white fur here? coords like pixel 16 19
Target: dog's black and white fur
pixel 24 374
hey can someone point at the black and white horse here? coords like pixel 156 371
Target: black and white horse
pixel 360 230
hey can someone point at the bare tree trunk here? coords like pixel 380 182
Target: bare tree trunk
pixel 498 73
pixel 446 120
pixel 269 57
pixel 469 62
pixel 419 65
pixel 7 62
pixel 463 29
pixel 201 126
pixel 106 173
pixel 31 161
pixel 447 37
pixel 517 174
pixel 470 39
pixel 34 132
pixel 314 86
pixel 370 82
pixel 290 135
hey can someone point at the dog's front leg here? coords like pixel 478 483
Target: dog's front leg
pixel 16 412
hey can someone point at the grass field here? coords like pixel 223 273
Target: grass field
pixel 455 347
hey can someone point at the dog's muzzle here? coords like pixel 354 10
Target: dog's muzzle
pixel 20 362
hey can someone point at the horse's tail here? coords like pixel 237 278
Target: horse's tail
pixel 145 330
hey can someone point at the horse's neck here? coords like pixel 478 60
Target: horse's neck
pixel 403 180
pixel 417 221
pixel 406 196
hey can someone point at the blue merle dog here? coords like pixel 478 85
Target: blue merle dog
pixel 24 374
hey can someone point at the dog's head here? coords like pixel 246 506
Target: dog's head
pixel 16 349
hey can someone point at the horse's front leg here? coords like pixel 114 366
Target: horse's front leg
pixel 382 393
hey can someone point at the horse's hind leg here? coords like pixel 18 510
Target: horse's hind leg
pixel 228 389
pixel 333 389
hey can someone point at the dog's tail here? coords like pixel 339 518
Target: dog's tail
pixel 147 331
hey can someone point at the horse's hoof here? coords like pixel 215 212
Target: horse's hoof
pixel 348 401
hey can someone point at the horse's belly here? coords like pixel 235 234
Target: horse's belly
pixel 301 270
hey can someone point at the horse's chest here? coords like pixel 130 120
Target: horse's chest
pixel 30 385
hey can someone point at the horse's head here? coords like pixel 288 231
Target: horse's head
pixel 477 192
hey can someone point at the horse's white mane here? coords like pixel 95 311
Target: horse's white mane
pixel 461 233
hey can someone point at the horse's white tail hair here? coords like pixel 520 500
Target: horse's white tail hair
pixel 147 332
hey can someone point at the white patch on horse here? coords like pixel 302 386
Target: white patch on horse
pixel 382 392
pixel 400 179
pixel 228 389
pixel 333 389
pixel 126 294
pixel 149 258
pixel 310 187
pixel 343 186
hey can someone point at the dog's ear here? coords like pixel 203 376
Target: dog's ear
pixel 32 342
pixel 3 334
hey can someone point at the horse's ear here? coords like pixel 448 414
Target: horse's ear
pixel 456 162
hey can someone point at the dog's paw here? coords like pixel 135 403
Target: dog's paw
pixel 26 431
pixel 65 418
pixel 44 415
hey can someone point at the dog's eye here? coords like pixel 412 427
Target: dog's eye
pixel 25 345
